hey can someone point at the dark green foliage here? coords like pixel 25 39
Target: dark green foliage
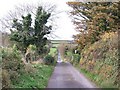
pixel 41 29
pixel 24 34
pixel 49 59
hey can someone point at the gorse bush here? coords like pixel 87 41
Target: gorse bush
pixel 101 59
pixel 12 65
pixel 11 59
pixel 49 59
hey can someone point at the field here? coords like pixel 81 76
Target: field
pixel 56 43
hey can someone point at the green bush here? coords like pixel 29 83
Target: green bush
pixel 16 74
pixel 76 58
pixel 49 60
pixel 11 60
pixel 12 64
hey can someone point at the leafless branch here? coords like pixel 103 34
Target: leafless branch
pixel 24 9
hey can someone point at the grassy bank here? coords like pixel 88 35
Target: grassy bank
pixel 99 61
pixel 17 74
pixel 97 79
pixel 37 77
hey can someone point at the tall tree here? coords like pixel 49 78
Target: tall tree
pixel 41 29
pixel 24 34
pixel 20 32
pixel 97 18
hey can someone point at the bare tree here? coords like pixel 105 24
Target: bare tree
pixel 21 9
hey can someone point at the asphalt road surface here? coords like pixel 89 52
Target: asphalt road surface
pixel 66 76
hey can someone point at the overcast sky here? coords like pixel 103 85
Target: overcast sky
pixel 65 28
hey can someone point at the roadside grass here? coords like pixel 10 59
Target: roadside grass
pixel 99 61
pixel 90 75
pixel 97 79
pixel 17 74
pixel 38 79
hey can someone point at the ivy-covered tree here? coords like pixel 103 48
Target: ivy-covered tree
pixel 41 29
pixel 24 33
pixel 93 19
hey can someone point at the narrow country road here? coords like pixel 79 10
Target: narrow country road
pixel 66 76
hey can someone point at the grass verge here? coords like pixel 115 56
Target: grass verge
pixel 38 79
pixel 97 79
